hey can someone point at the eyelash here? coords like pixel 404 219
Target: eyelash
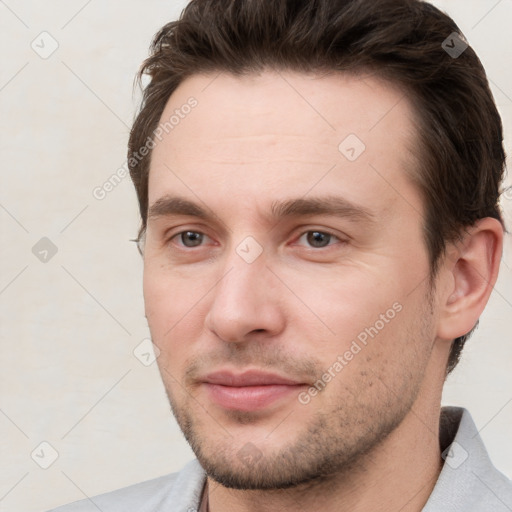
pixel 327 233
pixel 178 235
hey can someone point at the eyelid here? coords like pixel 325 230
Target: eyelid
pixel 181 232
pixel 341 237
pixel 183 227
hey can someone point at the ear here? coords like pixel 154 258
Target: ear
pixel 470 273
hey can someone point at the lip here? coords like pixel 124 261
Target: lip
pixel 248 391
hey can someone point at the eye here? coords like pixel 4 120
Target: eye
pixel 318 239
pixel 189 238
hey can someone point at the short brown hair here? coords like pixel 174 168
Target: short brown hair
pixel 460 146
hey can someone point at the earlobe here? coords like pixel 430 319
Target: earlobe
pixel 470 276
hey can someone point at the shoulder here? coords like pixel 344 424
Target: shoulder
pixel 173 492
pixel 468 482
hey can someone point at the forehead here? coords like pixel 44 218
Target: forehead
pixel 286 131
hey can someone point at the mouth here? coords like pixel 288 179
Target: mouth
pixel 249 391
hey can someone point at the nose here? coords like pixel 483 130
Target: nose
pixel 245 303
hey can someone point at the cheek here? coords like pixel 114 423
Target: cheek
pixel 363 315
pixel 347 299
pixel 172 307
pixel 376 352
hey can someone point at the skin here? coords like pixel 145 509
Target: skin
pixel 368 440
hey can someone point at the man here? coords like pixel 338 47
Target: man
pixel 319 188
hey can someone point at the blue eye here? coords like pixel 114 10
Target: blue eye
pixel 318 239
pixel 191 238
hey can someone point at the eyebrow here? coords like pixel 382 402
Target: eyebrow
pixel 171 205
pixel 329 205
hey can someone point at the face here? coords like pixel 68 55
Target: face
pixel 285 272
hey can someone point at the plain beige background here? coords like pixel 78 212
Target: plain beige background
pixel 70 325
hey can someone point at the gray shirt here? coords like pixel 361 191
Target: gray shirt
pixel 468 481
